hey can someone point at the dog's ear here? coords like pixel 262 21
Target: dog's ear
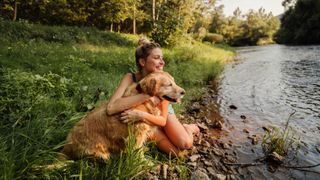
pixel 149 86
pixel 153 87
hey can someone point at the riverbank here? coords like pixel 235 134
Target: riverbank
pixel 272 88
pixel 52 76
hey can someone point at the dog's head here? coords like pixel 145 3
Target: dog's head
pixel 162 85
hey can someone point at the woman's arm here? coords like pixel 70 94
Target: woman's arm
pixel 137 115
pixel 117 103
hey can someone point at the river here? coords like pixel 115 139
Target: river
pixel 261 89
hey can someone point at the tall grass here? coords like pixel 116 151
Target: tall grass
pixel 51 76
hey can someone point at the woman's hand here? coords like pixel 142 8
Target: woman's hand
pixel 131 116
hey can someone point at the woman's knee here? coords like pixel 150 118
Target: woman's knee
pixel 186 143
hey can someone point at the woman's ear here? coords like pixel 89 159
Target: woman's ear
pixel 142 62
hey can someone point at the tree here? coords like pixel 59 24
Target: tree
pixel 301 23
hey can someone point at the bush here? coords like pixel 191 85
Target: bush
pixel 213 38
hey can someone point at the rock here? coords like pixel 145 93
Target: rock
pixel 274 156
pixel 217 152
pixel 202 126
pixel 230 158
pixel 266 128
pixel 216 124
pixel 199 175
pixel 206 144
pixel 218 177
pixel 193 158
pixel 318 149
pixel 204 150
pixel 254 139
pixel 195 107
pixel 245 130
pixel 224 145
pixel 207 163
pixel 165 171
pixel 233 107
pixel 194 164
pixel 210 170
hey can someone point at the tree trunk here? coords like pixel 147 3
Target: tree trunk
pixel 15 11
pixel 154 11
pixel 134 18
pixel 111 26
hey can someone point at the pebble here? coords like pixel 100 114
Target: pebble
pixel 199 175
pixel 210 170
pixel 218 177
pixel 193 158
pixel 233 107
pixel 245 130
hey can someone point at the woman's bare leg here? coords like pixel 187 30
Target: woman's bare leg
pixel 163 143
pixel 180 135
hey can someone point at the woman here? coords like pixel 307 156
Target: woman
pixel 171 137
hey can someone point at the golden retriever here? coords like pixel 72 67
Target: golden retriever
pixel 99 135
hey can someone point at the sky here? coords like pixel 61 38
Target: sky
pixel 269 5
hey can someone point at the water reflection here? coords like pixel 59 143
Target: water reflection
pixel 267 85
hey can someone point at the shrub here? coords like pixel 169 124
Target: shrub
pixel 213 38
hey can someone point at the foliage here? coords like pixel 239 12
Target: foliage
pixel 245 29
pixel 300 23
pixel 47 85
pixel 162 19
pixel 213 38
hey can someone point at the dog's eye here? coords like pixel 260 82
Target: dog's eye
pixel 170 84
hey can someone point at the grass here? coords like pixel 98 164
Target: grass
pixel 280 141
pixel 51 76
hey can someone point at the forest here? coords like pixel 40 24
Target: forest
pixel 300 23
pixel 166 22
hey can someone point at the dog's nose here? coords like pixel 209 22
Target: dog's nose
pixel 183 92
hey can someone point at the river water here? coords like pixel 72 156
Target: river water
pixel 265 86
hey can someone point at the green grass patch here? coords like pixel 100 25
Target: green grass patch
pixel 50 76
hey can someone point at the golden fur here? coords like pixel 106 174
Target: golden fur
pixel 100 135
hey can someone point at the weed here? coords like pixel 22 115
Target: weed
pixel 280 141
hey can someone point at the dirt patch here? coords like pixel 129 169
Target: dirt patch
pixel 210 154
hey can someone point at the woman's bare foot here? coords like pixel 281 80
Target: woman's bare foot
pixel 193 128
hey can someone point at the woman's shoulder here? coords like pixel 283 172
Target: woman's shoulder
pixel 127 79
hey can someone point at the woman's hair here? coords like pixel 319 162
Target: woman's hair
pixel 144 49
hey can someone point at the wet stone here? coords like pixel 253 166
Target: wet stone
pixel 243 117
pixel 245 130
pixel 233 107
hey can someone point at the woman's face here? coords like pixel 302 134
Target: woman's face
pixel 154 61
